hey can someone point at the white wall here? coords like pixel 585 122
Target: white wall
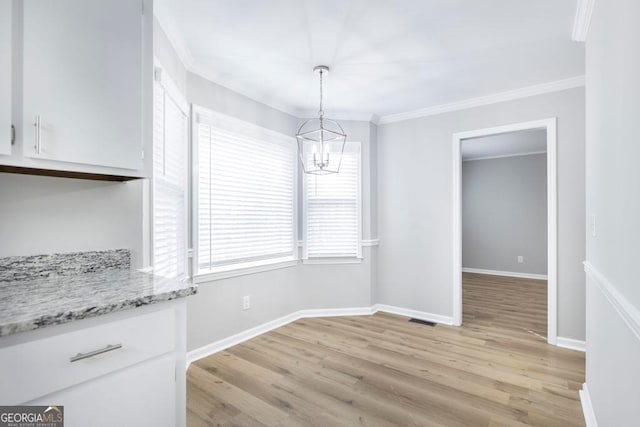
pixel 504 214
pixel 613 196
pixel 40 215
pixel 415 203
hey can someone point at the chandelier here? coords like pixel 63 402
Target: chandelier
pixel 321 141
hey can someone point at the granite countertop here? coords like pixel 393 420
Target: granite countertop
pixel 52 298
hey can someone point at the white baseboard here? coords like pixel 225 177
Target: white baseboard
pixel 505 273
pixel 243 336
pixel 587 407
pixel 571 344
pixel 422 315
pixel 335 312
pixel 238 338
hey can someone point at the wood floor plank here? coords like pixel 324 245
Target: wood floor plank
pixel 381 370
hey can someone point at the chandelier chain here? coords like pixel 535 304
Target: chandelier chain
pixel 321 112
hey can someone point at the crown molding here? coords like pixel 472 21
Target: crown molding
pixel 176 41
pixel 341 115
pixel 188 61
pixel 584 10
pixel 205 74
pixel 525 92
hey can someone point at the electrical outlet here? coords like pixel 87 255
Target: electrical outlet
pixel 246 302
pixel 520 259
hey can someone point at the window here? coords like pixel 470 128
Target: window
pixel 332 210
pixel 246 196
pixel 170 169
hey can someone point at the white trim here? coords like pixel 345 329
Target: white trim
pixel 624 308
pixel 332 260
pixel 422 315
pixel 582 20
pixel 240 270
pixel 571 344
pixel 365 243
pixel 336 312
pixel 552 225
pixel 505 273
pixel 502 156
pixel 243 336
pixel 525 92
pixel 188 60
pixel 161 77
pixel 587 407
pixel 238 338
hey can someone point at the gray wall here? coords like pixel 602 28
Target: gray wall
pixel 216 311
pixel 504 214
pixel 613 196
pixel 415 203
pixel 168 57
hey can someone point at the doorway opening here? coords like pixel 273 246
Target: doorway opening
pixel 528 139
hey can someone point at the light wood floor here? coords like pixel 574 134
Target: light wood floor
pixel 381 370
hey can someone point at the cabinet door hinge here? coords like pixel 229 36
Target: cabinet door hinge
pixel 13 135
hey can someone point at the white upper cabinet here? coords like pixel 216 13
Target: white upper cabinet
pixel 83 85
pixel 5 76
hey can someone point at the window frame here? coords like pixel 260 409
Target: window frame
pixel 241 268
pixel 335 260
pixel 161 77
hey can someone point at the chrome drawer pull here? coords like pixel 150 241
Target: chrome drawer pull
pixel 107 349
pixel 37 126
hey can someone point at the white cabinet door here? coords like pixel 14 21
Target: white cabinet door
pixel 83 81
pixel 141 396
pixel 5 76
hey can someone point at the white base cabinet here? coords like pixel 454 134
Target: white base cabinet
pixel 142 395
pixel 125 368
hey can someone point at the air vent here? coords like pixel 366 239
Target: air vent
pixel 423 322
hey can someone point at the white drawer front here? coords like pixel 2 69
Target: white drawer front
pixel 40 367
pixel 140 396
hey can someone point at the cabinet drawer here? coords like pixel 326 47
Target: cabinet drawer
pixel 40 367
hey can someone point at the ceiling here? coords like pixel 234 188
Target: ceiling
pixel 505 145
pixel 386 57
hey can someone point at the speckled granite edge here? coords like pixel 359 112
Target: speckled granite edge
pixel 88 312
pixel 64 264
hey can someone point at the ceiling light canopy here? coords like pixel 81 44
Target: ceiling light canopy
pixel 321 141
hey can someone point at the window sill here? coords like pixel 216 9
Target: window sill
pixel 244 269
pixel 332 260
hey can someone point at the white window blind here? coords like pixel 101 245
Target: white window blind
pixel 332 209
pixel 245 194
pixel 170 169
